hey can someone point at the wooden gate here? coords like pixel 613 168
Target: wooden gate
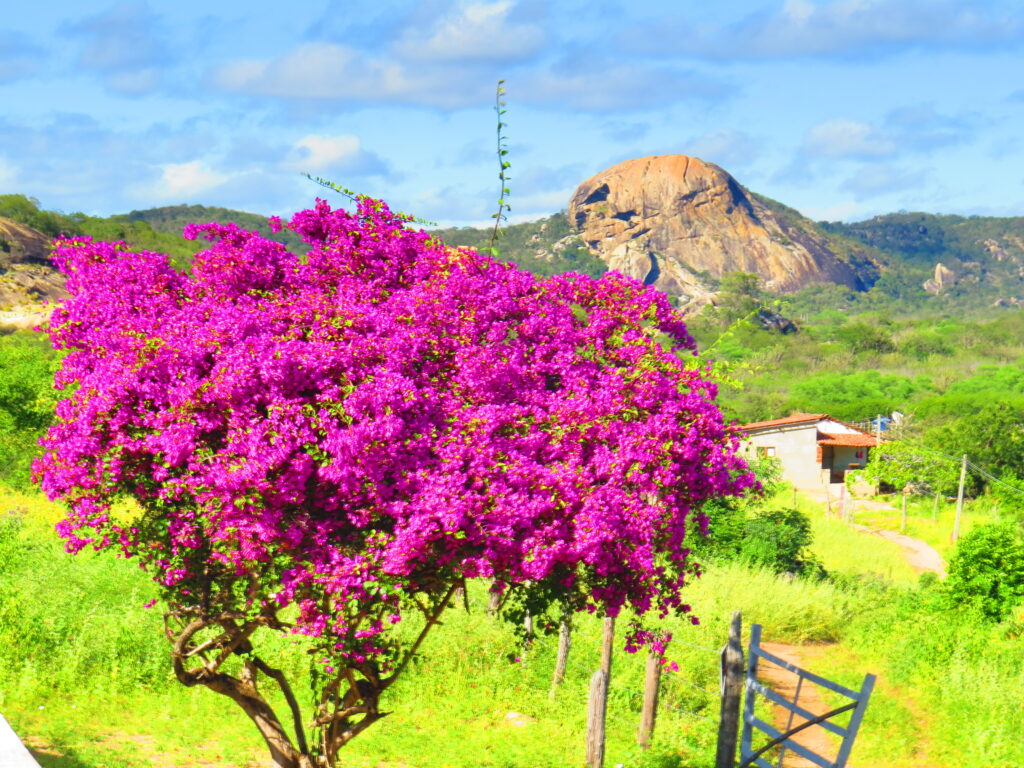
pixel 858 703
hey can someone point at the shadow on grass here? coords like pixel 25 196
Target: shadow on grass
pixel 65 758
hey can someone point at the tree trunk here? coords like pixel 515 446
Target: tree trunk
pixel 282 752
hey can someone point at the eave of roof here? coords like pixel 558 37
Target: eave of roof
pixel 796 418
pixel 847 439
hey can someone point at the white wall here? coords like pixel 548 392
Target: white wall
pixel 834 427
pixel 796 447
pixel 846 457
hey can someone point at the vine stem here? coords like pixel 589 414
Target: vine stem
pixel 503 165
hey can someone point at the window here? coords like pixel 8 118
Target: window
pixel 766 451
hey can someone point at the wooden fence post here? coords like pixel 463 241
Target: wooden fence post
pixel 564 643
pixel 903 513
pixel 493 601
pixel 527 637
pixel 732 692
pixel 607 643
pixel 596 708
pixel 649 713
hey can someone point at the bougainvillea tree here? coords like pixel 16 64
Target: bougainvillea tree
pixel 330 444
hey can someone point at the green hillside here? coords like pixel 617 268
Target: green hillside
pixel 986 253
pixel 27 211
pixel 173 218
pixel 545 247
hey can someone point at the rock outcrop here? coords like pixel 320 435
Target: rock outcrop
pixel 673 221
pixel 943 278
pixel 26 275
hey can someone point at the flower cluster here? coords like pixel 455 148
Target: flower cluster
pixel 376 420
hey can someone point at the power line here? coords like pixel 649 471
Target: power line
pixel 993 479
pixel 980 470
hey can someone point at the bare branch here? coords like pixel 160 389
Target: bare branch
pixel 282 682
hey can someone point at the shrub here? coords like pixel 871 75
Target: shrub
pixel 778 539
pixel 986 571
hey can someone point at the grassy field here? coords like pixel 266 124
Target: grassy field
pixel 84 671
pixel 928 522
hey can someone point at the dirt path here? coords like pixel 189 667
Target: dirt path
pixel 784 682
pixel 920 556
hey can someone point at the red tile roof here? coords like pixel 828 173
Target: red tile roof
pixel 850 439
pixel 796 418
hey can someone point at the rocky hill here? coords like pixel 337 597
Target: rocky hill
pixel 26 276
pixel 980 256
pixel 675 221
pixel 681 224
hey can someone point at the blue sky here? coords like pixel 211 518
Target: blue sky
pixel 842 109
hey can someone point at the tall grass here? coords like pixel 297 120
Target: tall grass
pixel 84 668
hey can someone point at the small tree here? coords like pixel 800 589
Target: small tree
pixel 331 444
pixel 986 571
pixel 901 464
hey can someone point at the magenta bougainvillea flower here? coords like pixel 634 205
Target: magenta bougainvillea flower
pixel 378 419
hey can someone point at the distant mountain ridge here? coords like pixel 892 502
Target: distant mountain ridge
pixel 977 261
pixel 981 258
pixel 981 255
pixel 173 218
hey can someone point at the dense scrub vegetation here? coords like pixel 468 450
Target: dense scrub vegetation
pixel 27 400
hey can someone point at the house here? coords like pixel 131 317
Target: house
pixel 813 448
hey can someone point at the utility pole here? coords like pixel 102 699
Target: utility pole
pixel 960 499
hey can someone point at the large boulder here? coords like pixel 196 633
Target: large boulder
pixel 26 275
pixel 673 221
pixel 944 277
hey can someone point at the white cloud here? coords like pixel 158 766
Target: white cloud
pixel 840 28
pixel 125 44
pixel 727 148
pixel 607 86
pixel 881 179
pixel 329 71
pixel 841 137
pixel 8 174
pixel 318 154
pixel 325 151
pixel 845 211
pixel 474 31
pixel 187 179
